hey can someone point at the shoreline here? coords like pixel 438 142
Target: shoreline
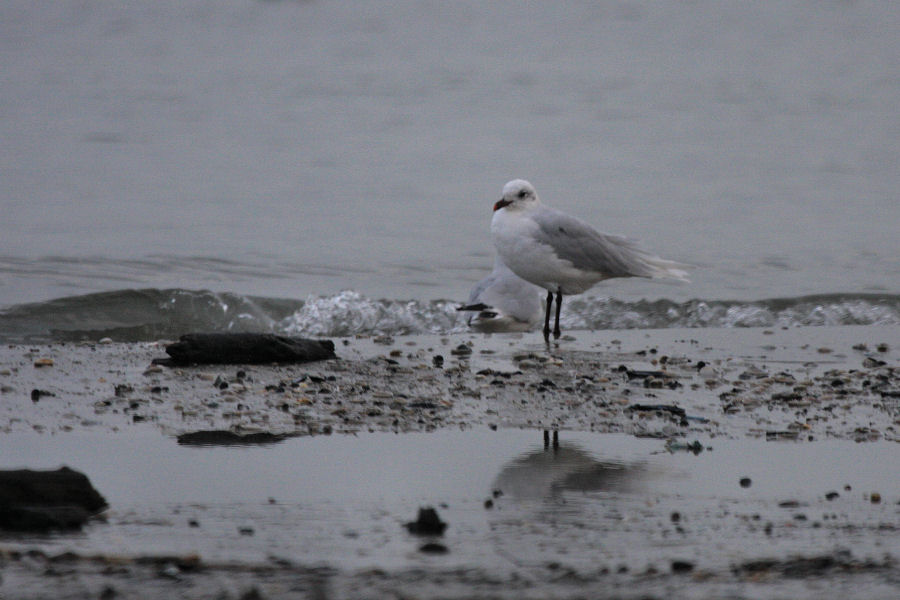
pixel 649 511
pixel 797 383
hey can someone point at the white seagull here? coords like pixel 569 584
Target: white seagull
pixel 503 301
pixel 563 254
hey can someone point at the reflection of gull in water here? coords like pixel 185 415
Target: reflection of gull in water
pixel 503 301
pixel 546 473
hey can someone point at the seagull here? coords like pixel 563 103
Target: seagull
pixel 503 301
pixel 563 254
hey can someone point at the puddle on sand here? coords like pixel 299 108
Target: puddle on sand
pixel 598 501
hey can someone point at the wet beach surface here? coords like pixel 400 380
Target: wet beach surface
pixel 693 463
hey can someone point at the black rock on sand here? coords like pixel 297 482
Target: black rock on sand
pixel 47 500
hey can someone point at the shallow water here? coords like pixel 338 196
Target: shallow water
pixel 297 149
pixel 342 500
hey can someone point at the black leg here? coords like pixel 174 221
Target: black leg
pixel 558 307
pixel 547 316
pixel 546 439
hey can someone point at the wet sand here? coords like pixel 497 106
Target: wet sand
pixel 677 390
pixel 809 383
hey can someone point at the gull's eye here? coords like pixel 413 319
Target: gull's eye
pixel 522 193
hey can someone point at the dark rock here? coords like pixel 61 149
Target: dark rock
pixel 47 500
pixel 637 374
pixel 461 350
pixel 675 410
pixel 682 566
pixel 427 523
pixel 108 593
pixel 37 394
pixel 801 567
pixel 245 348
pixel 229 438
pixel 746 482
pixel 122 390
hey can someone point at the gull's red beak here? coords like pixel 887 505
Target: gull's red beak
pixel 501 203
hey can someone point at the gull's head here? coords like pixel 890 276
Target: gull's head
pixel 517 194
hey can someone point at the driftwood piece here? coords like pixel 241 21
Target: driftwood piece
pixel 245 349
pixel 229 438
pixel 47 500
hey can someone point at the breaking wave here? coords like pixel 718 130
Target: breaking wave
pixel 153 314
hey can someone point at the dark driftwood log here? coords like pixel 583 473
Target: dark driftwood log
pixel 46 500
pixel 228 438
pixel 245 349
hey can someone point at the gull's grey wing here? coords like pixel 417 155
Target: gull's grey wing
pixel 587 249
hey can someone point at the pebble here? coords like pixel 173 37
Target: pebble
pixel 682 566
pixel 43 362
pixel 461 350
pixel 427 523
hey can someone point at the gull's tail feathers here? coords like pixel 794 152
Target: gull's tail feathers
pixel 669 269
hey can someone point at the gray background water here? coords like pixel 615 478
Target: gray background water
pixel 295 148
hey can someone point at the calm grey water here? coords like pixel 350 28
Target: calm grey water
pixel 297 149
pixel 321 488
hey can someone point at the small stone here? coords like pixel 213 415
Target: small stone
pixel 427 523
pixel 248 531
pixel 105 340
pixel 122 389
pixel 38 394
pixel 43 362
pixel 108 593
pixel 874 497
pixel 682 566
pixel 832 496
pixel 753 372
pixel 461 350
pixel 746 482
pixel 882 348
